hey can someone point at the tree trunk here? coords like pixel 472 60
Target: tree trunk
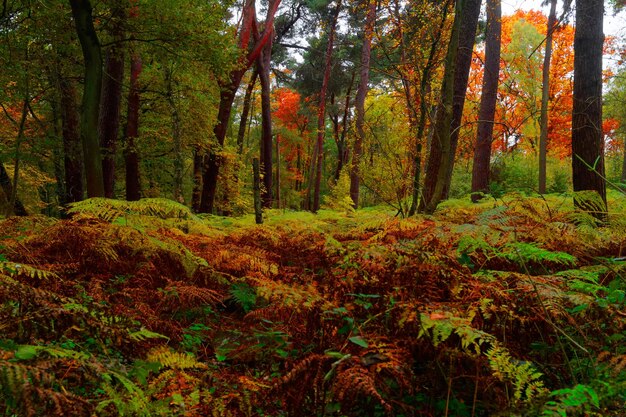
pixel 545 95
pixel 419 123
pixel 7 188
pixel 359 102
pixel 482 150
pixel 196 194
pixel 469 24
pixel 227 94
pixel 90 45
pixel 623 176
pixel 245 112
pixel 263 68
pixel 178 161
pixel 439 156
pixel 277 171
pixel 587 139
pixel 133 183
pixel 109 121
pixel 73 161
pixel 258 209
pixel 321 113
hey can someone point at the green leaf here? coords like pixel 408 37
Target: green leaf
pixel 26 352
pixel 358 340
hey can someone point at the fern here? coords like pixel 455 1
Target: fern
pixel 110 210
pixel 18 269
pixel 526 380
pixel 580 398
pixel 439 326
pixel 174 360
pixel 524 253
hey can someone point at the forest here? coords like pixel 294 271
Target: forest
pixel 319 208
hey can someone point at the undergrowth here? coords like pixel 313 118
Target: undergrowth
pixel 512 307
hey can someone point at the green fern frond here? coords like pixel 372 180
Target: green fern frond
pixel 15 269
pixel 110 209
pixel 174 360
pixel 524 253
pixel 439 326
pixel 144 334
pixel 523 376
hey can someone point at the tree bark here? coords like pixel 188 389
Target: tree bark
pixel 7 188
pixel 545 95
pixel 482 150
pixel 133 183
pixel 178 161
pixel 258 209
pixel 439 156
pixel 419 122
pixel 321 112
pixel 469 24
pixel 263 68
pixel 196 193
pixel 227 95
pixel 110 104
pixel 245 112
pixel 359 102
pixel 72 161
pixel 90 45
pixel 587 138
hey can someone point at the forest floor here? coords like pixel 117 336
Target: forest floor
pixel 511 307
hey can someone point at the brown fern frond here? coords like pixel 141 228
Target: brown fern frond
pixel 354 384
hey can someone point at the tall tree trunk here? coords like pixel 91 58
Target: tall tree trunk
pixel 545 95
pixel 109 121
pixel 178 161
pixel 439 156
pixel 587 140
pixel 73 161
pixel 263 68
pixel 196 193
pixel 469 24
pixel 245 112
pixel 278 171
pixel 482 150
pixel 419 122
pixel 133 183
pixel 623 176
pixel 228 89
pixel 5 183
pixel 90 45
pixel 318 153
pixel 359 102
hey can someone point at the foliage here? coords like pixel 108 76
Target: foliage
pixel 500 309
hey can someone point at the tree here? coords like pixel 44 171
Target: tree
pixel 318 153
pixel 587 137
pixel 482 152
pixel 111 98
pixel 439 158
pixel 469 24
pixel 250 53
pixel 90 45
pixel 359 102
pixel 545 96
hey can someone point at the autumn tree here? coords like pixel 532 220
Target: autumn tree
pixel 587 138
pixel 250 43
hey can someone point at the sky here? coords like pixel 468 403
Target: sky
pixel 613 25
